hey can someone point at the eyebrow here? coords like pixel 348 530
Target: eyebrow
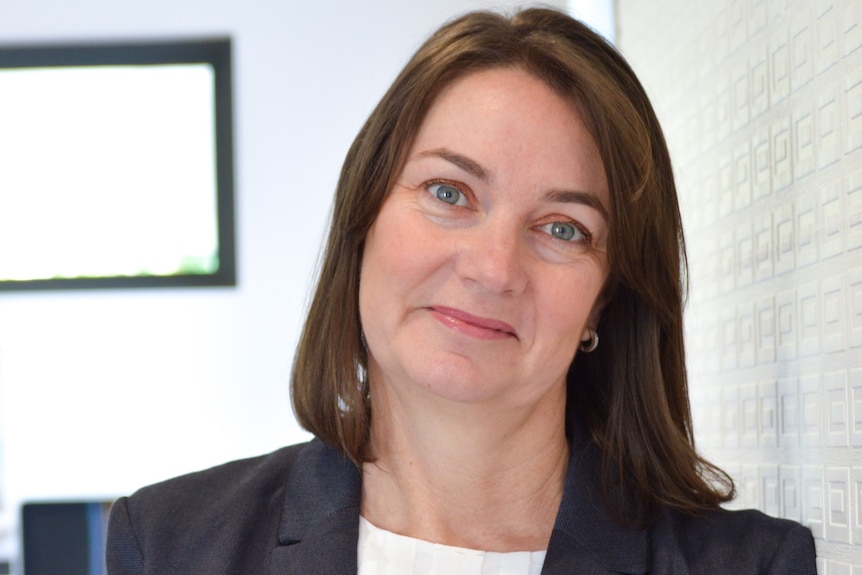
pixel 463 162
pixel 475 169
pixel 587 199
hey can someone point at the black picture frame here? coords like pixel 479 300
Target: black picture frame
pixel 216 52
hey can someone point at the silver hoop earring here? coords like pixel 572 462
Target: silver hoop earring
pixel 590 345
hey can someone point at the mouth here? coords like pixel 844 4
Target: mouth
pixel 474 326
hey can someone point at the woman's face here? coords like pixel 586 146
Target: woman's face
pixel 484 265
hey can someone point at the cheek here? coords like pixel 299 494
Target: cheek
pixel 566 322
pixel 384 267
pixel 400 251
pixel 373 280
pixel 395 262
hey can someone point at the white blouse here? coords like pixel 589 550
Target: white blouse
pixel 382 552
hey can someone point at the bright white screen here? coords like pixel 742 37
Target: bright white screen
pixel 107 171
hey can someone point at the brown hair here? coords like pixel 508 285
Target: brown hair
pixel 631 394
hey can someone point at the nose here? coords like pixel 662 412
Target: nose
pixel 493 257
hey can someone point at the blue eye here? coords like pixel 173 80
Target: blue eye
pixel 564 231
pixel 446 193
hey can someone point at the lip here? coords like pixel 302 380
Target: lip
pixel 469 324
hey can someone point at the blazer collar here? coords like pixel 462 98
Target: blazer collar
pixel 319 528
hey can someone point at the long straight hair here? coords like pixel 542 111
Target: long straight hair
pixel 631 394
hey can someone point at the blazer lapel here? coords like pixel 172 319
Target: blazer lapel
pixel 319 528
pixel 566 556
pixel 585 539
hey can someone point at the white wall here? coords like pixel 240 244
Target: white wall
pixel 598 14
pixel 762 104
pixel 104 391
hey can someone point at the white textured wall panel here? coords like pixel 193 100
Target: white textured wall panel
pixel 761 101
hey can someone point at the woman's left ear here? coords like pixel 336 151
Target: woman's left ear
pixel 590 340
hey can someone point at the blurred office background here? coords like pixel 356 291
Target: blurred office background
pixel 103 391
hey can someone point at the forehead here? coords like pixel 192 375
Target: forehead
pixel 514 124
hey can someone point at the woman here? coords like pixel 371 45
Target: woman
pixel 493 359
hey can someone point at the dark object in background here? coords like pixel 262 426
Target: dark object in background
pixel 64 538
pixel 93 226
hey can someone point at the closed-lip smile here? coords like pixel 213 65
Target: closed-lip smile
pixel 472 325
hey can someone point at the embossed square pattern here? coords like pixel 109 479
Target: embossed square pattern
pixel 761 102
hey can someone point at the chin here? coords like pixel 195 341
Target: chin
pixel 459 379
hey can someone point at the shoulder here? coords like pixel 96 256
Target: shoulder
pixel 228 479
pixel 221 488
pixel 210 513
pixel 746 541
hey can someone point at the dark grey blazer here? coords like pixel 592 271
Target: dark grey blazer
pixel 296 512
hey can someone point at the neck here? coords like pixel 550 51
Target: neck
pixel 480 476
